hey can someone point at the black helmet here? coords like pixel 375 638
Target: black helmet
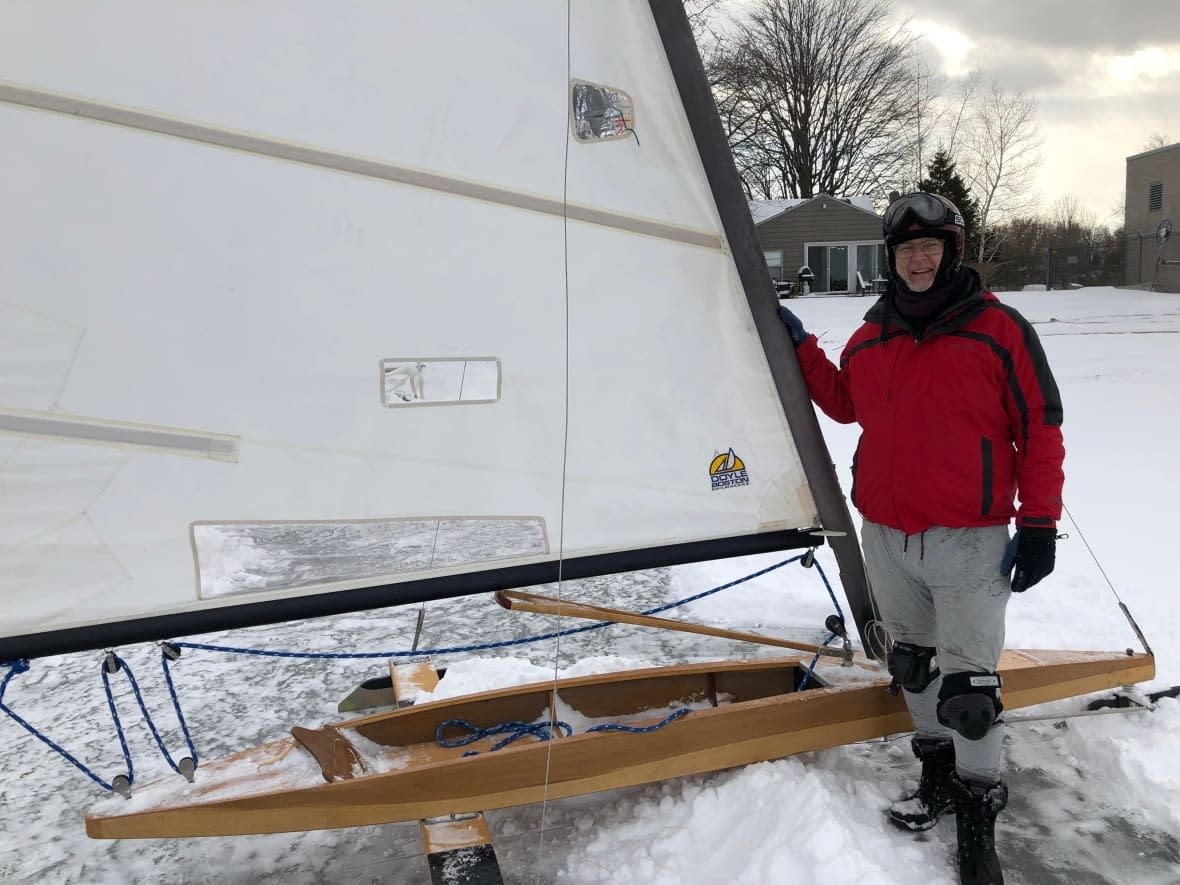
pixel 926 215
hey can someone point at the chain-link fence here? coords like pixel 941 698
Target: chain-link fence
pixel 1064 266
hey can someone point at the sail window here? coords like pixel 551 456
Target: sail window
pixel 601 113
pixel 253 557
pixel 428 381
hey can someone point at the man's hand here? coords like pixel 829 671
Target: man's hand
pixel 1036 554
pixel 794 325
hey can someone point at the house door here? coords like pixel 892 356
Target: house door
pixel 830 266
pixel 870 262
pixel 837 269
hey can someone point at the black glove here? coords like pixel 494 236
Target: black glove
pixel 794 325
pixel 1036 553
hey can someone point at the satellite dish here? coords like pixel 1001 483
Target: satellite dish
pixel 1163 232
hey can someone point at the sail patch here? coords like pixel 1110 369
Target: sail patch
pixel 253 557
pixel 728 471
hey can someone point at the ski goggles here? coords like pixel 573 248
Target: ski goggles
pixel 925 210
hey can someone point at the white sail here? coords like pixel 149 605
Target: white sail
pixel 296 304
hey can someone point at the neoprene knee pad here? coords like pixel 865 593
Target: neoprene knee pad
pixel 970 703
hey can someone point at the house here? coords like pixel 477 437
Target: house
pixel 1153 197
pixel 835 237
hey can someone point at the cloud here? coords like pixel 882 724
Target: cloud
pixel 1106 76
pixel 1151 69
pixel 1075 24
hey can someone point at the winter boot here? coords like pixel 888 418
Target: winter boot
pixel 933 798
pixel 976 807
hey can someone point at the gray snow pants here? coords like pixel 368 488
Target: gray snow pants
pixel 943 588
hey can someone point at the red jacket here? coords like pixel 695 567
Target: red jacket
pixel 954 421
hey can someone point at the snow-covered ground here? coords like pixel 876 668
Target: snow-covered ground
pixel 1094 800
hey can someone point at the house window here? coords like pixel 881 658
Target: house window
pixel 774 262
pixel 1155 196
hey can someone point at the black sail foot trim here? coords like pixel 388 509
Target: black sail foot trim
pixel 254 614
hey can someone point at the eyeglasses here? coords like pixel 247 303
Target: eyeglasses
pixel 925 209
pixel 930 248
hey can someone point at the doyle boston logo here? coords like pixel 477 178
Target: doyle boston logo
pixel 728 472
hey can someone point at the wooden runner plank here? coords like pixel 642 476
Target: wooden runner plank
pixel 411 677
pixel 459 850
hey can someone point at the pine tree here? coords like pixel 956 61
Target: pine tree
pixel 942 179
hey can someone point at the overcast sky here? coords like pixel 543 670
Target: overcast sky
pixel 1105 74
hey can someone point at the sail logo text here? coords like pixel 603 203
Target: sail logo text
pixel 728 471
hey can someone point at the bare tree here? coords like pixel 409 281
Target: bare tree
pixel 1069 217
pixel 999 159
pixel 701 14
pixel 1156 140
pixel 818 97
pixel 699 11
pixel 928 117
pixel 959 112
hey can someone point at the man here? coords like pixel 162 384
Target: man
pixel 959 412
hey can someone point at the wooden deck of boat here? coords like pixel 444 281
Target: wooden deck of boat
pixel 396 771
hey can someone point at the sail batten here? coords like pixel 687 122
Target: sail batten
pixel 95 430
pixel 339 161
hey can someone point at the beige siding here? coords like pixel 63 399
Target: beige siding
pixel 1163 166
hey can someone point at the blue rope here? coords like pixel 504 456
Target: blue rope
pixel 121 665
pixel 422 652
pixel 807 676
pixel 22 666
pixel 638 729
pixel 188 738
pixel 106 684
pixel 455 649
pixel 831 593
pixel 542 731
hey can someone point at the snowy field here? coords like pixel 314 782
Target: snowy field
pixel 1094 800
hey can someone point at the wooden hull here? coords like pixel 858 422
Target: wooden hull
pixel 389 767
